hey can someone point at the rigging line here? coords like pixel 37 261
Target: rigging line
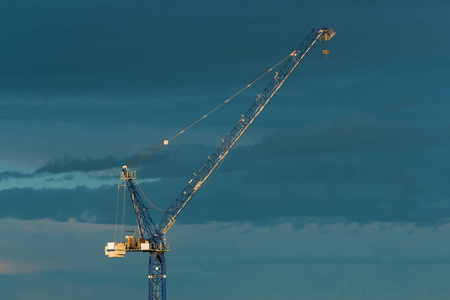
pixel 146 198
pixel 147 154
pixel 140 157
pixel 226 101
pixel 123 215
pixel 151 204
pixel 117 213
pixel 136 158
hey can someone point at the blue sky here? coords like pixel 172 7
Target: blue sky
pixel 339 189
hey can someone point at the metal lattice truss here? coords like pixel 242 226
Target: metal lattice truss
pixel 153 236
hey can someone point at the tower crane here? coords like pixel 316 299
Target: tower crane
pixel 151 236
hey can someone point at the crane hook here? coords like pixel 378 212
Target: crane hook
pixel 326 52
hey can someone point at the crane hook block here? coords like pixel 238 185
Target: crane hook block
pixel 326 52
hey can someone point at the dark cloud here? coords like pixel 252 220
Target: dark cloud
pixel 359 169
pixel 14 175
pixel 69 164
pixel 356 133
pixel 361 197
pixel 86 47
pixel 361 188
pixel 59 204
pixel 93 45
pixel 173 162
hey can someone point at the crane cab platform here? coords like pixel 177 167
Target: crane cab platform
pixel 113 249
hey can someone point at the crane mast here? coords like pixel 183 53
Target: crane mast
pixel 152 237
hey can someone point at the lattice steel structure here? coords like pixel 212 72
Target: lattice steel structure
pixel 152 237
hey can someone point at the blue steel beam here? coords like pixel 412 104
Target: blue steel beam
pixel 146 226
pixel 157 276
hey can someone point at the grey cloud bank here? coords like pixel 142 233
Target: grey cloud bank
pixel 317 261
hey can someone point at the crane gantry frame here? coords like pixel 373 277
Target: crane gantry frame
pixel 152 238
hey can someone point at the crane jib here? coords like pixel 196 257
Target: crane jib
pixel 261 101
pixel 147 228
